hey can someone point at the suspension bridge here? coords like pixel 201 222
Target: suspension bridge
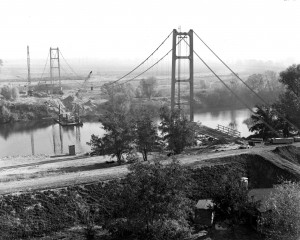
pixel 175 63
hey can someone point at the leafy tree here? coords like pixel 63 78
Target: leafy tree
pixel 289 102
pixel 146 132
pixel 289 105
pixel 231 200
pixel 269 116
pixel 153 203
pixel 119 96
pixel 148 86
pixel 282 221
pixel 256 82
pixel 291 79
pixel 176 129
pixel 118 138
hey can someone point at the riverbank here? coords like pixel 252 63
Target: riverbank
pixel 28 173
pixel 43 207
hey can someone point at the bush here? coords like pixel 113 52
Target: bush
pixel 10 93
pixel 282 220
pixel 5 115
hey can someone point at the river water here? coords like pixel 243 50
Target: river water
pixel 46 137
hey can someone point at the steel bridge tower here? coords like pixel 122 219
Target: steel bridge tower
pixel 28 67
pixel 176 80
pixel 54 64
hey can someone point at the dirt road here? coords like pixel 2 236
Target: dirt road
pixel 62 179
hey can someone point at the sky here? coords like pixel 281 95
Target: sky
pixel 129 30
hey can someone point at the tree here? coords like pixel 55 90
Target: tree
pixel 269 116
pixel 176 130
pixel 119 96
pixel 118 138
pixel 289 102
pixel 282 220
pixel 256 82
pixel 148 86
pixel 231 199
pixel 291 79
pixel 146 132
pixel 153 202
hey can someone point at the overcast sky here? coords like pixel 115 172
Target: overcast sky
pixel 131 29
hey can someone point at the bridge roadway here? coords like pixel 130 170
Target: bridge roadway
pixel 64 179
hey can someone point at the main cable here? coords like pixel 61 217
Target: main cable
pixel 263 100
pixel 44 68
pixel 142 61
pixel 150 66
pixel 237 97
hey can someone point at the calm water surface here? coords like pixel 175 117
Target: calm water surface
pixel 46 137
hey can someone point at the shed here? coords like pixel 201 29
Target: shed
pixel 204 214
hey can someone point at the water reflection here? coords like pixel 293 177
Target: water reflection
pixel 46 137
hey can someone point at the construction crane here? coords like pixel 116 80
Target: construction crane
pixel 82 88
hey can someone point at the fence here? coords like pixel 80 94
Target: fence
pixel 229 131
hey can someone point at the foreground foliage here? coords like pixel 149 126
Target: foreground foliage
pixel 282 220
pixel 152 203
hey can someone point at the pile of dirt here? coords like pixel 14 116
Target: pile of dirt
pixel 290 153
pixel 69 102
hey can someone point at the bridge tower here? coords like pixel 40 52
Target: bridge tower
pixel 176 80
pixel 28 67
pixel 54 65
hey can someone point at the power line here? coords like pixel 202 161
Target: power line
pixel 236 96
pixel 143 61
pixel 263 100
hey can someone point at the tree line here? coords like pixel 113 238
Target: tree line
pixel 128 132
pixel 282 112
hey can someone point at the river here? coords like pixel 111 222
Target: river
pixel 46 137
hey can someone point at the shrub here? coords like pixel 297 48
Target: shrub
pixel 5 114
pixel 282 220
pixel 10 93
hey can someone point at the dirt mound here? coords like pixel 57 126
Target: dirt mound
pixel 290 153
pixel 69 102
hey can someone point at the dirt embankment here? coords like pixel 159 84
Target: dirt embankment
pixel 264 166
pixel 55 207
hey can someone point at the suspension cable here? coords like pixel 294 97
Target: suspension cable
pixel 143 61
pixel 147 68
pixel 44 69
pixel 151 65
pixel 236 96
pixel 69 65
pixel 237 76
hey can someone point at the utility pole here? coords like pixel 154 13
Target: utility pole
pixel 54 64
pixel 28 68
pixel 190 80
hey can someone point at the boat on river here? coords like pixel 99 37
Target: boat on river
pixel 67 120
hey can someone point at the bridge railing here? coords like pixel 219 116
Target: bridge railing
pixel 229 131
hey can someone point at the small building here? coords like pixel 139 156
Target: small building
pixel 204 214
